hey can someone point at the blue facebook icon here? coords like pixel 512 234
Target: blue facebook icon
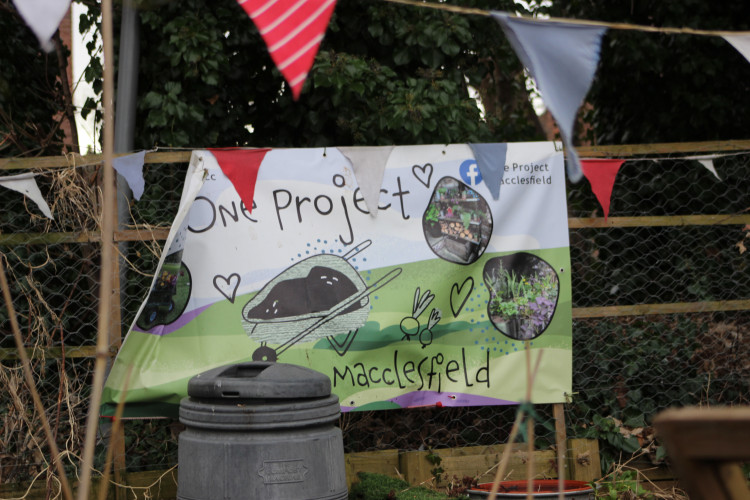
pixel 470 173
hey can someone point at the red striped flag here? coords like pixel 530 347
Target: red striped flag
pixel 292 30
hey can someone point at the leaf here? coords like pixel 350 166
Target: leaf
pixel 152 100
pixel 631 445
pixel 401 57
pixel 635 421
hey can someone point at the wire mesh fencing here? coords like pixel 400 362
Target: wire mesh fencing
pixel 661 303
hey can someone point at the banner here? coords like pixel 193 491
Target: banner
pixel 433 302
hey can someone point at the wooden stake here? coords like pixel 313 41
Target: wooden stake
pixel 105 286
pixel 561 439
pixel 115 433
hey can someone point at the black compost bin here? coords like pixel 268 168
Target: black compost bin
pixel 261 431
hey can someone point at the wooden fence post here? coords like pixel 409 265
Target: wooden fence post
pixel 583 459
pixel 115 341
pixel 561 440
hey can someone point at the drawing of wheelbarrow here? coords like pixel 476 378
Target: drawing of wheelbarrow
pixel 319 297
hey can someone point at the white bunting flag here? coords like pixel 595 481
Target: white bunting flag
pixel 707 161
pixel 368 164
pixel 562 58
pixel 741 43
pixel 131 168
pixel 43 17
pixel 26 184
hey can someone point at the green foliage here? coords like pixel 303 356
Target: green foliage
pixel 385 74
pixel 465 219
pixel 631 356
pixel 432 213
pixel 606 430
pixel 435 459
pixel 622 484
pixel 380 487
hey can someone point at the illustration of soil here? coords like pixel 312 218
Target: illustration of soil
pixel 322 289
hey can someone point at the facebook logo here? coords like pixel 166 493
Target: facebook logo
pixel 470 173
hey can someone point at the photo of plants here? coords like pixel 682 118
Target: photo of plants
pixel 524 291
pixel 169 295
pixel 457 223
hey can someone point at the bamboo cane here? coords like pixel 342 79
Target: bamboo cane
pixel 105 288
pixel 500 473
pixel 116 424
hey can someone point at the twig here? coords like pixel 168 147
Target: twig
pixel 30 382
pixel 620 26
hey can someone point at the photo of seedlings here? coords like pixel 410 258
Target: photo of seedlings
pixel 523 294
pixel 457 223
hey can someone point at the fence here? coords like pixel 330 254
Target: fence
pixel 661 308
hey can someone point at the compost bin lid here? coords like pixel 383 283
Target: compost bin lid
pixel 259 379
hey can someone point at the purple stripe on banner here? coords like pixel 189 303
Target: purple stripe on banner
pixel 432 398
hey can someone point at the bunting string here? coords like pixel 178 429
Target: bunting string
pixel 618 26
pixel 153 158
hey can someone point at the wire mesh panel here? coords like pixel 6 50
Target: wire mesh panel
pixel 660 295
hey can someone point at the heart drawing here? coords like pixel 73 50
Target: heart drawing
pixel 460 294
pixel 227 286
pixel 423 174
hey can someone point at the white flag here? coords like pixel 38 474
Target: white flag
pixel 26 184
pixel 43 17
pixel 368 164
pixel 741 43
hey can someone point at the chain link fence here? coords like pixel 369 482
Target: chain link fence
pixel 660 295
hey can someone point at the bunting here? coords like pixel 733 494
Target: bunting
pixel 368 164
pixel 130 167
pixel 43 17
pixel 292 30
pixel 707 161
pixel 601 175
pixel 26 185
pixel 741 43
pixel 562 59
pixel 241 168
pixel 491 162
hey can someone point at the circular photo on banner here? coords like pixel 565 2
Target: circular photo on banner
pixel 457 223
pixel 169 295
pixel 523 294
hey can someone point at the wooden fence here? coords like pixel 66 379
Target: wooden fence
pixel 411 464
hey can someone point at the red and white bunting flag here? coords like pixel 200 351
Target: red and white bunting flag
pixel 601 175
pixel 292 30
